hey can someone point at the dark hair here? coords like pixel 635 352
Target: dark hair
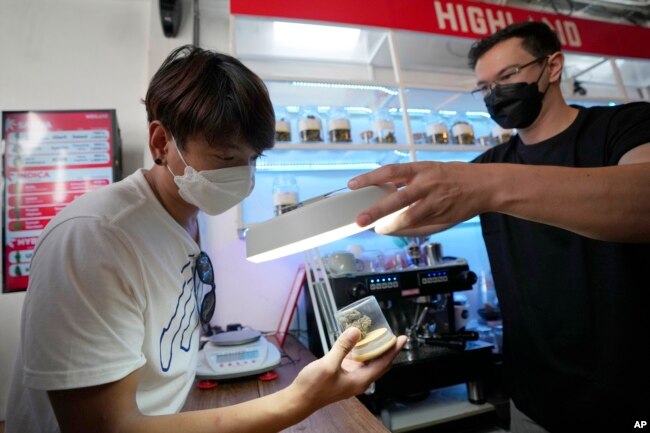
pixel 201 93
pixel 537 38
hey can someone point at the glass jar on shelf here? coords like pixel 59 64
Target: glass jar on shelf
pixel 482 130
pixel 383 127
pixel 285 194
pixel 338 127
pixel 310 126
pixel 437 132
pixel 501 135
pixel 282 126
pixel 462 131
pixel 367 136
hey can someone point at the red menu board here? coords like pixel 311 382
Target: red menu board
pixel 50 158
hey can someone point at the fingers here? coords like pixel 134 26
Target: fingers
pixel 390 354
pixel 343 345
pixel 394 223
pixel 375 368
pixel 399 174
pixel 397 201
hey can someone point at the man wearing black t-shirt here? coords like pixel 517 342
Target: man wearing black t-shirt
pixel 565 214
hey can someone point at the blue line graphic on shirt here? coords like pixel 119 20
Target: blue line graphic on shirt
pixel 184 318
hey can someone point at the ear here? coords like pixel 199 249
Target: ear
pixel 159 136
pixel 555 67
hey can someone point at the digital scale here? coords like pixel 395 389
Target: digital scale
pixel 232 354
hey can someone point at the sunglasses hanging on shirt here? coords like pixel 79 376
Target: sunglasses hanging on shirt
pixel 205 273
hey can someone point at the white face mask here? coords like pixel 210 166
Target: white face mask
pixel 214 191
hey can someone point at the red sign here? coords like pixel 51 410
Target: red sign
pixel 458 18
pixel 50 159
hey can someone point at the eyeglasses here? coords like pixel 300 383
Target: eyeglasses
pixel 485 90
pixel 205 272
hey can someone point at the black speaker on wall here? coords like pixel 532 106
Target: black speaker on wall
pixel 171 13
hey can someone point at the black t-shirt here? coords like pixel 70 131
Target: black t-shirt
pixel 576 311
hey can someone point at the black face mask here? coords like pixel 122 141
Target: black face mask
pixel 515 105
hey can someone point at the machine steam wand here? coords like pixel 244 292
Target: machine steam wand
pixel 411 332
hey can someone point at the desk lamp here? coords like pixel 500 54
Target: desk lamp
pixel 316 222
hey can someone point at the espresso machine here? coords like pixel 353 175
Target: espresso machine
pixel 418 302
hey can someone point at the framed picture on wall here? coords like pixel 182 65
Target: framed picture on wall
pixel 50 158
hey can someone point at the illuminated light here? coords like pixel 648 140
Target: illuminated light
pixel 293 109
pixel 410 110
pixel 314 37
pixel 265 166
pixel 418 110
pixel 477 113
pixel 447 112
pixel 320 222
pixel 344 86
pixel 362 110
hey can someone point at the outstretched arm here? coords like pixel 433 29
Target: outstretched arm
pixel 112 407
pixel 605 203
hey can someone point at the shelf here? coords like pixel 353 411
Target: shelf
pixel 441 406
pixel 452 147
pixel 341 158
pixel 339 146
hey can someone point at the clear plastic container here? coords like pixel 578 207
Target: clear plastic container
pixel 338 127
pixel 310 126
pixel 376 336
pixel 282 126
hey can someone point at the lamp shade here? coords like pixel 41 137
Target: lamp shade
pixel 312 225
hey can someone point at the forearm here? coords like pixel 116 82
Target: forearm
pixel 425 230
pixel 111 408
pixel 270 413
pixel 605 203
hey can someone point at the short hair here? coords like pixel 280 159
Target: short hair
pixel 537 38
pixel 201 93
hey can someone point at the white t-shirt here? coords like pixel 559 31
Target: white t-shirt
pixel 111 290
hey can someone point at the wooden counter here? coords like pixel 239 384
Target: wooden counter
pixel 348 416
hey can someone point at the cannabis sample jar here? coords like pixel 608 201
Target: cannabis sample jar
pixel 376 336
pixel 462 132
pixel 501 135
pixel 383 128
pixel 338 127
pixel 310 126
pixel 282 127
pixel 437 132
pixel 285 194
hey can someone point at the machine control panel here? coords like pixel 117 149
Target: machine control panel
pixel 382 282
pixel 450 276
pixel 433 277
